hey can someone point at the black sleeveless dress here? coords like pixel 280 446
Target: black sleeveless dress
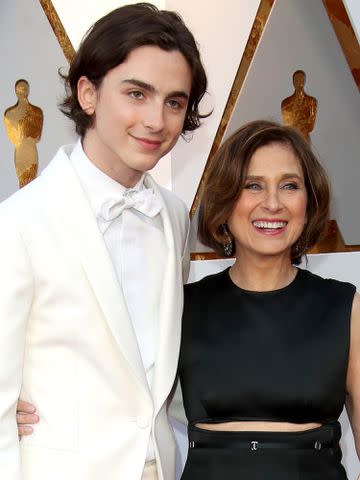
pixel 273 356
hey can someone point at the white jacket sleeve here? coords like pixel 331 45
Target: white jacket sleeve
pixel 16 291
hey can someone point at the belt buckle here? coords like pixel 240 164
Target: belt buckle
pixel 254 445
pixel 317 445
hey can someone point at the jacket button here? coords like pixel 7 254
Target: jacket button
pixel 142 421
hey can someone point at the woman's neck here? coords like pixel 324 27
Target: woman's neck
pixel 262 275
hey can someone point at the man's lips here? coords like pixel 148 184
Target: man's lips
pixel 147 143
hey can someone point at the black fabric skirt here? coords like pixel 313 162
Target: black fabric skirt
pixel 311 455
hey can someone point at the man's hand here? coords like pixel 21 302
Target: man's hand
pixel 25 417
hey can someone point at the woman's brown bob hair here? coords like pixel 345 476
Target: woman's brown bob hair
pixel 111 39
pixel 226 175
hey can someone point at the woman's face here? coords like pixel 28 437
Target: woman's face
pixel 270 213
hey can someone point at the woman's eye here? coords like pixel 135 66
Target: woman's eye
pixel 136 94
pixel 253 186
pixel 290 186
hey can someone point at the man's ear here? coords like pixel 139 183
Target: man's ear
pixel 87 95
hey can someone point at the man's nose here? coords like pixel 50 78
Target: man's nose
pixel 154 117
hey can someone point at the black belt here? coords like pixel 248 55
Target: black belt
pixel 254 445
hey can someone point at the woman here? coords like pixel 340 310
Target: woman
pixel 267 360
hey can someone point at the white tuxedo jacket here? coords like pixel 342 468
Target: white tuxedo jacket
pixel 67 344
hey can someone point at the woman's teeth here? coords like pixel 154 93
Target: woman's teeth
pixel 267 225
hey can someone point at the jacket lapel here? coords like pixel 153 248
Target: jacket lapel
pixel 70 204
pixel 170 309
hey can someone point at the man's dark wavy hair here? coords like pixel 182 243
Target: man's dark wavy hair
pixel 111 39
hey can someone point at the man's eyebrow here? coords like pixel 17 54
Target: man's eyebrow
pixel 140 84
pixel 151 89
pixel 179 94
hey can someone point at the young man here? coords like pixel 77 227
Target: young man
pixel 91 256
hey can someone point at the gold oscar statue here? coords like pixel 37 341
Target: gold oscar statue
pixel 299 110
pixel 23 123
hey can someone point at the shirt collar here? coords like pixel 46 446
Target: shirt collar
pixel 99 187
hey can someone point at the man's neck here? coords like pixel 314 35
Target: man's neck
pixel 109 164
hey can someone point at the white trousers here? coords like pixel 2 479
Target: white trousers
pixel 150 472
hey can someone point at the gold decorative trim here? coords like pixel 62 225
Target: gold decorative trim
pixel 206 256
pixel 256 32
pixel 345 34
pixel 58 29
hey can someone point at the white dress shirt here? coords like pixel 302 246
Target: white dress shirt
pixel 135 243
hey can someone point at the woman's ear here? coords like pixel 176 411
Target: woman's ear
pixel 87 95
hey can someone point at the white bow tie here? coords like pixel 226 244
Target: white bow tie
pixel 145 201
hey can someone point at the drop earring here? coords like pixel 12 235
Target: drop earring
pixel 229 244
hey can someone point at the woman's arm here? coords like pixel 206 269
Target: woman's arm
pixel 353 376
